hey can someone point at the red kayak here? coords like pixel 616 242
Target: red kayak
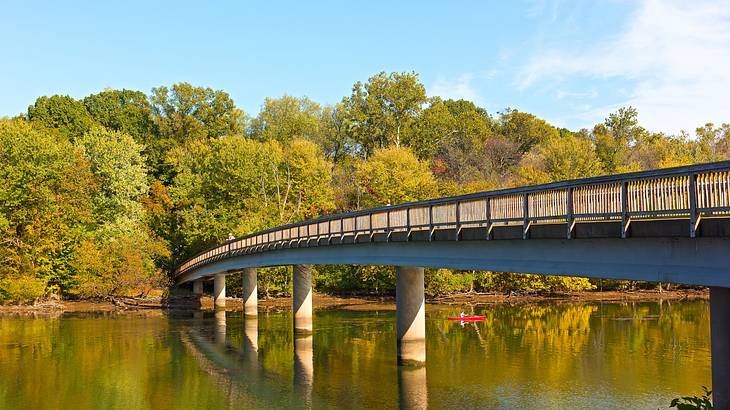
pixel 468 318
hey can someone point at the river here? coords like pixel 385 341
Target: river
pixel 543 355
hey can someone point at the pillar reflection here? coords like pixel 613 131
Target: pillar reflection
pixel 251 339
pixel 220 327
pixel 412 388
pixel 304 368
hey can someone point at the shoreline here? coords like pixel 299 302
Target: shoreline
pixel 350 302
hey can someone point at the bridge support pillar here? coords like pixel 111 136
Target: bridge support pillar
pixel 720 342
pixel 250 296
pixel 219 290
pixel 410 315
pixel 198 287
pixel 302 298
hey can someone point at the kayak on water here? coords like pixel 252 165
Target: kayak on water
pixel 468 318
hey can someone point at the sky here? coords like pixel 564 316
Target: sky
pixel 569 62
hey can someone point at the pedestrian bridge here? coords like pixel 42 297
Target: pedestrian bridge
pixel 666 225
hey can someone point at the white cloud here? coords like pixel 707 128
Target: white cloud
pixel 461 88
pixel 675 54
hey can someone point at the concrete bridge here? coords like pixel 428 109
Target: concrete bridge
pixel 668 225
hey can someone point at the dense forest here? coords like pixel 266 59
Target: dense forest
pixel 106 195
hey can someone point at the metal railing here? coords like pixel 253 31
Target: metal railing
pixel 690 192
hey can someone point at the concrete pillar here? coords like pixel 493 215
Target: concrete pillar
pixel 410 315
pixel 250 292
pixel 304 369
pixel 220 328
pixel 720 341
pixel 302 298
pixel 412 388
pixel 198 287
pixel 219 290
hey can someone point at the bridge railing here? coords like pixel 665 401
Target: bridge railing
pixel 690 192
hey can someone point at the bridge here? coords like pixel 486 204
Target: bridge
pixel 667 225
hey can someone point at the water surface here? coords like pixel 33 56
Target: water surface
pixel 547 355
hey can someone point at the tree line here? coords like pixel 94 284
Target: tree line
pixel 105 195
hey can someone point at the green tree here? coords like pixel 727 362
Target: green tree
pixel 184 112
pixel 525 129
pixel 117 163
pixel 394 175
pixel 613 139
pixel 382 111
pixel 238 185
pixel 61 112
pixel 46 188
pixel 570 156
pixel 127 111
pixel 283 119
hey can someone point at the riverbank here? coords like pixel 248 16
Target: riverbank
pixel 322 301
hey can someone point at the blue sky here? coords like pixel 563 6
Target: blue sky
pixel 571 63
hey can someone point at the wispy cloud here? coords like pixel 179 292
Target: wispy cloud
pixel 455 89
pixel 674 54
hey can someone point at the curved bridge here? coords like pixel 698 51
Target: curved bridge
pixel 667 225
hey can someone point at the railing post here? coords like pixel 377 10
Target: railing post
pixel 525 216
pixel 625 219
pixel 430 222
pixel 569 212
pixel 408 224
pixel 387 225
pixel 693 220
pixel 488 216
pixel 329 232
pixel 458 219
pixel 372 232
pixel 356 233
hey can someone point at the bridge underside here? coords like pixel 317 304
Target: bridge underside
pixel 654 253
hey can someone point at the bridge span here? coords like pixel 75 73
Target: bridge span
pixel 667 225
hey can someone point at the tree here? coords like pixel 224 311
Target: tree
pixel 45 190
pixel 712 143
pixel 238 185
pixel 117 163
pixel 526 130
pixel 127 111
pixel 382 111
pixel 447 123
pixel 570 156
pixel 394 175
pixel 334 139
pixel 183 112
pixel 613 139
pixel 286 118
pixel 61 112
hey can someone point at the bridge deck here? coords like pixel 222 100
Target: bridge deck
pixel 677 202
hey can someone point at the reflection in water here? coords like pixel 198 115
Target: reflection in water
pixel 220 327
pixel 303 369
pixel 251 339
pixel 412 388
pixel 412 352
pixel 548 355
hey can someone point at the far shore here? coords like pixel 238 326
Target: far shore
pixel 323 301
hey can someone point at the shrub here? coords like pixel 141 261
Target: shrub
pixel 20 289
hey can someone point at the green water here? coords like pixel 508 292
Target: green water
pixel 557 355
